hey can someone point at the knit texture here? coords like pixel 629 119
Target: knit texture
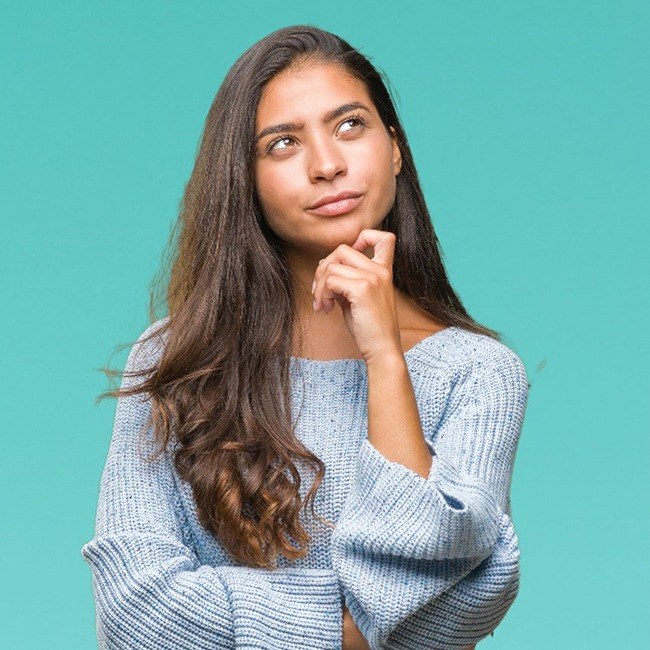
pixel 420 563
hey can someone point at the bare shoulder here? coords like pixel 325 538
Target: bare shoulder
pixel 465 350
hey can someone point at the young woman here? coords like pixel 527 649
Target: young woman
pixel 311 326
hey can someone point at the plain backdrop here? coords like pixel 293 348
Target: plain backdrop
pixel 529 126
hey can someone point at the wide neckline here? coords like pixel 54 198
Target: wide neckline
pixel 306 361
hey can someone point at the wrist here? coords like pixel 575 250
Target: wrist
pixel 389 360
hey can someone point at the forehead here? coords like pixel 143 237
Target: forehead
pixel 308 92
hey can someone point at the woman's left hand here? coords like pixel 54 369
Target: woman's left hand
pixel 363 288
pixel 352 637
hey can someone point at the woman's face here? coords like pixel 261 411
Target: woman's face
pixel 321 156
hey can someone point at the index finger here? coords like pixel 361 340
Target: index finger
pixel 382 242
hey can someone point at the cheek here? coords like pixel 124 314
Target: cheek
pixel 264 186
pixel 376 159
pixel 276 189
pixel 378 170
pixel 278 199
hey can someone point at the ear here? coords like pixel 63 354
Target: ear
pixel 397 154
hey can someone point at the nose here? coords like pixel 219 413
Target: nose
pixel 326 160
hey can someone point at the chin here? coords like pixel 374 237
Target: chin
pixel 345 234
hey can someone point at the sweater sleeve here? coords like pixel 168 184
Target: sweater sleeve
pixel 472 608
pixel 151 591
pixel 408 550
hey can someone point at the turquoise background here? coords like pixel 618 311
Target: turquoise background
pixel 529 126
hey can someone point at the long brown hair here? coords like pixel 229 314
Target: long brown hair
pixel 220 387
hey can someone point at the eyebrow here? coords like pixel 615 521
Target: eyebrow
pixel 297 126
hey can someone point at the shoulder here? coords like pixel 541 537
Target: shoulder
pixel 472 361
pixel 149 345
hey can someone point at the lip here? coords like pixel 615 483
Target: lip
pixel 333 198
pixel 338 204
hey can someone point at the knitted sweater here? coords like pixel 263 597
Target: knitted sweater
pixel 419 563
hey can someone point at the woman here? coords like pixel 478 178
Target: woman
pixel 311 326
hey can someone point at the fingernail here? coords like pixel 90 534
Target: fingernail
pixel 313 286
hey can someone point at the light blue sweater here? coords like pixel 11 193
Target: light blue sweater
pixel 420 563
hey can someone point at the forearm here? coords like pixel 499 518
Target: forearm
pixel 394 426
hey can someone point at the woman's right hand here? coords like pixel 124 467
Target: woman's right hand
pixel 352 637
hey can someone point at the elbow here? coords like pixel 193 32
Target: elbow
pixel 135 606
pixel 116 608
pixel 473 608
pixel 493 586
pixel 125 613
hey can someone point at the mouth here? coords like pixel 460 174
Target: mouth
pixel 340 205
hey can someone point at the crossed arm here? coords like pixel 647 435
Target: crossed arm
pixel 424 547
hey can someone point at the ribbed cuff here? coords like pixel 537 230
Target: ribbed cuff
pixel 286 608
pixel 448 515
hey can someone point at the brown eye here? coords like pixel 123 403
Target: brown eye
pixel 357 120
pixel 354 119
pixel 272 144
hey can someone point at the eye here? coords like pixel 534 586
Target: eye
pixel 272 144
pixel 352 118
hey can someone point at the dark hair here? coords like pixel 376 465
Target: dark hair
pixel 231 314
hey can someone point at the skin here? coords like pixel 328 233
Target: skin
pixel 341 265
pixel 319 160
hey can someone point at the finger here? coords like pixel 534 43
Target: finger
pixel 325 298
pixel 347 287
pixel 382 242
pixel 345 254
